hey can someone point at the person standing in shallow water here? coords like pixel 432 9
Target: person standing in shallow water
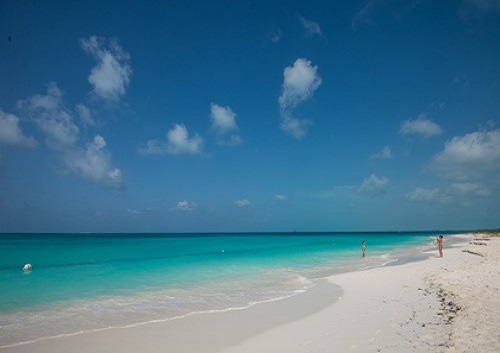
pixel 363 248
pixel 439 241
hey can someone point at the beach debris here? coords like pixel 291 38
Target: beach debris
pixel 27 267
pixel 449 308
pixel 472 252
pixel 477 243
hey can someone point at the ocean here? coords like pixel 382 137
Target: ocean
pixel 85 282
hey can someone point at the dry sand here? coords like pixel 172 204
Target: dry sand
pixel 473 286
pixel 448 304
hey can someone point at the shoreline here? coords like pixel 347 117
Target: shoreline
pixel 79 316
pixel 380 308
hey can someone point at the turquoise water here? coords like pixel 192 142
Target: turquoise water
pixel 90 281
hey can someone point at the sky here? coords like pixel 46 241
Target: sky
pixel 249 116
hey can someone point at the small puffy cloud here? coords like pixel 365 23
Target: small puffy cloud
pixel 280 197
pixel 420 126
pixel 154 146
pixel 11 133
pixel 374 185
pixel 242 203
pixel 312 28
pixel 295 127
pixel 184 206
pixel 224 125
pixel 52 117
pixel 112 72
pixel 300 81
pixel 473 156
pixel 223 119
pixel 177 142
pixel 94 163
pixel 423 195
pixel 274 35
pixel 386 153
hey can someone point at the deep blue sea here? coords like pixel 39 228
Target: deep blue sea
pixel 82 282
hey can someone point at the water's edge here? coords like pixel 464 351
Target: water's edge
pixel 301 285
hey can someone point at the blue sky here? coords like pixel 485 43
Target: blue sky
pixel 191 116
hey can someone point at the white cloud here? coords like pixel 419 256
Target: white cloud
pixel 223 119
pixel 280 197
pixel 460 193
pixel 423 195
pixel 312 28
pixel 154 146
pixel 374 12
pixel 295 127
pixel 177 142
pixel 363 16
pixel 184 206
pixel 112 72
pixel 242 203
pixel 52 117
pixel 471 163
pixel 473 156
pixel 300 81
pixel 11 133
pixel 275 35
pixel 472 189
pixel 373 185
pixel 94 163
pixel 85 115
pixel 224 125
pixel 420 126
pixel 133 212
pixel 386 153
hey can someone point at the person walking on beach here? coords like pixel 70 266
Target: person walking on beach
pixel 439 241
pixel 363 248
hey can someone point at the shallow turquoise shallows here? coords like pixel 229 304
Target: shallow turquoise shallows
pixel 82 282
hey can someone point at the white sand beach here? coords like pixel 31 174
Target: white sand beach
pixel 449 304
